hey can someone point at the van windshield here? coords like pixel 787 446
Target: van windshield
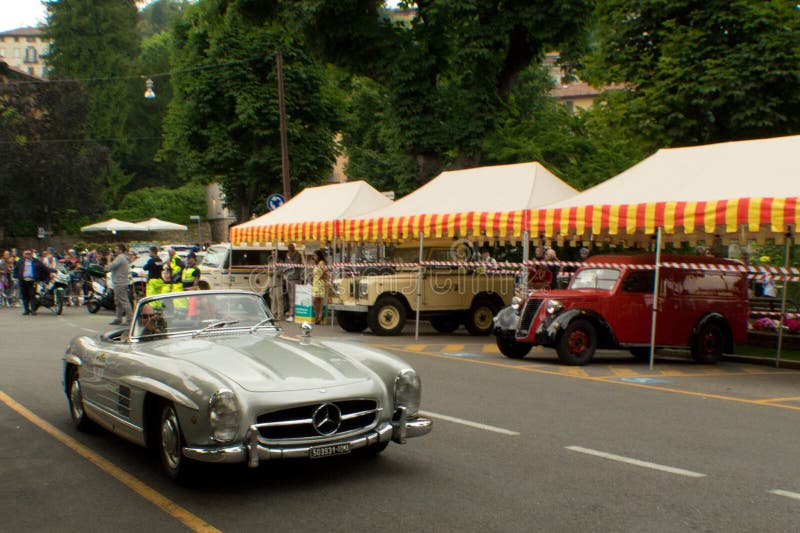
pixel 595 278
pixel 215 257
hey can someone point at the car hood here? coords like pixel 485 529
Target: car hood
pixel 267 364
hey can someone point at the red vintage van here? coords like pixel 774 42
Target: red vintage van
pixel 609 304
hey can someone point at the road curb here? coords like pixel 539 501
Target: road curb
pixel 763 361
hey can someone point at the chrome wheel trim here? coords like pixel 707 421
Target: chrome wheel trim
pixel 76 400
pixel 171 439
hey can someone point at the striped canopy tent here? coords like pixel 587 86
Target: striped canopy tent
pixel 729 191
pixel 311 215
pixel 493 201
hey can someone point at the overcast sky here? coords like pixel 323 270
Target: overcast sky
pixel 20 13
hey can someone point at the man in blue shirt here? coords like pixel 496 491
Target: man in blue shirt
pixel 28 270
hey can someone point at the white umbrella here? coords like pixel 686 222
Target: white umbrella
pixel 155 224
pixel 113 225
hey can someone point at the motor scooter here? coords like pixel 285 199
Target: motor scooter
pixel 52 294
pixel 98 293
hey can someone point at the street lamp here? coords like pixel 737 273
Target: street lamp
pixel 196 218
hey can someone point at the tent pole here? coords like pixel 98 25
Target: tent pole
pixel 331 311
pixel 783 299
pixel 419 286
pixel 526 250
pixel 655 298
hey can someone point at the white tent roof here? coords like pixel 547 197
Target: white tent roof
pixel 112 224
pixel 155 224
pixel 766 168
pixel 326 202
pixel 482 189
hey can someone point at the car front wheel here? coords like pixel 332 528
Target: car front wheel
pixel 577 344
pixel 387 316
pixel 170 445
pixel 75 399
pixel 513 349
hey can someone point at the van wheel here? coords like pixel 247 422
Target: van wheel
pixel 708 344
pixel 351 321
pixel 480 316
pixel 445 324
pixel 387 316
pixel 577 344
pixel 513 349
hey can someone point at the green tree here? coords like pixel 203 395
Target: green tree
pixel 48 169
pixel 97 42
pixel 448 73
pixel 700 71
pixel 156 17
pixel 174 205
pixel 223 124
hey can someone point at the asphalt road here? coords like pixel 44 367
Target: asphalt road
pixel 518 445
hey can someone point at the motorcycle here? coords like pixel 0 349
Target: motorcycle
pixel 98 293
pixel 52 294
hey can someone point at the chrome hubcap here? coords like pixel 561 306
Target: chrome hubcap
pixel 170 439
pixel 76 400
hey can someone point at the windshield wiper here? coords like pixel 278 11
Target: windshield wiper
pixel 268 319
pixel 213 325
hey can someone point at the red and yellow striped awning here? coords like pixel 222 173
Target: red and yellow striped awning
pixel 754 215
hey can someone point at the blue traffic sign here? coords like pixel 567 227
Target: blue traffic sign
pixel 275 200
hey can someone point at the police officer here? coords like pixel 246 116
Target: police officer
pixel 190 278
pixel 171 273
pixel 153 268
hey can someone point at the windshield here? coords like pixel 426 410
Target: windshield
pixel 192 311
pixel 595 278
pixel 215 257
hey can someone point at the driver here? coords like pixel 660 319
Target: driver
pixel 150 322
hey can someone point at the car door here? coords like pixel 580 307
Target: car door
pixel 633 307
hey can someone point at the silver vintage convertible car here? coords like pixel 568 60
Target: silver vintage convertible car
pixel 207 376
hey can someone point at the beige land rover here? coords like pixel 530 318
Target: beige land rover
pixel 383 296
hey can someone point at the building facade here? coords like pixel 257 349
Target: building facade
pixel 25 50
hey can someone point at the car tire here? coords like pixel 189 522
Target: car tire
pixel 75 401
pixel 387 316
pixel 352 321
pixel 513 349
pixel 577 343
pixel 170 443
pixel 709 343
pixel 479 320
pixel 445 324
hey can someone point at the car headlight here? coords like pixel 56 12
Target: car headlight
pixel 223 415
pixel 363 288
pixel 554 306
pixel 516 301
pixel 407 392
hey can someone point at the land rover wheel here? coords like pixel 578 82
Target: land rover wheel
pixel 577 344
pixel 445 324
pixel 480 316
pixel 387 316
pixel 709 343
pixel 513 349
pixel 351 321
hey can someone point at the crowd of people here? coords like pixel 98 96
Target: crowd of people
pixel 22 273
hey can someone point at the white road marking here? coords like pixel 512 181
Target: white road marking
pixel 786 493
pixel 470 423
pixel 636 462
pixel 89 330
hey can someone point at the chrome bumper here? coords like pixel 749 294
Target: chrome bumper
pixel 253 451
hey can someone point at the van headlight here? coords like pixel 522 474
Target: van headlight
pixel 554 306
pixel 363 288
pixel 407 392
pixel 516 301
pixel 223 415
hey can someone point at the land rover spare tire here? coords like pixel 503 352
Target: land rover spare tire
pixel 352 321
pixel 387 316
pixel 577 343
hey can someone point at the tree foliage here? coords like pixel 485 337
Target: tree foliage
pixel 223 124
pixel 48 169
pixel 699 71
pixel 174 205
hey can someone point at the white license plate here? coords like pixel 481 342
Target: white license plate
pixel 327 451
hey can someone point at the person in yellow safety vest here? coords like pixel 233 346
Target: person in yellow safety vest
pixel 191 274
pixel 171 273
pixel 153 269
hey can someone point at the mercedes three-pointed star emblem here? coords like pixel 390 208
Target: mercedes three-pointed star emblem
pixel 327 419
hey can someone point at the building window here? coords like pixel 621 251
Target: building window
pixel 30 71
pixel 570 105
pixel 17 53
pixel 31 39
pixel 30 55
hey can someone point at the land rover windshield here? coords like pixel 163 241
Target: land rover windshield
pixel 215 256
pixel 595 278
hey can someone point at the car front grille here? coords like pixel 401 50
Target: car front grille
pixel 300 423
pixel 528 312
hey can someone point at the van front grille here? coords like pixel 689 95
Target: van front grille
pixel 528 312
